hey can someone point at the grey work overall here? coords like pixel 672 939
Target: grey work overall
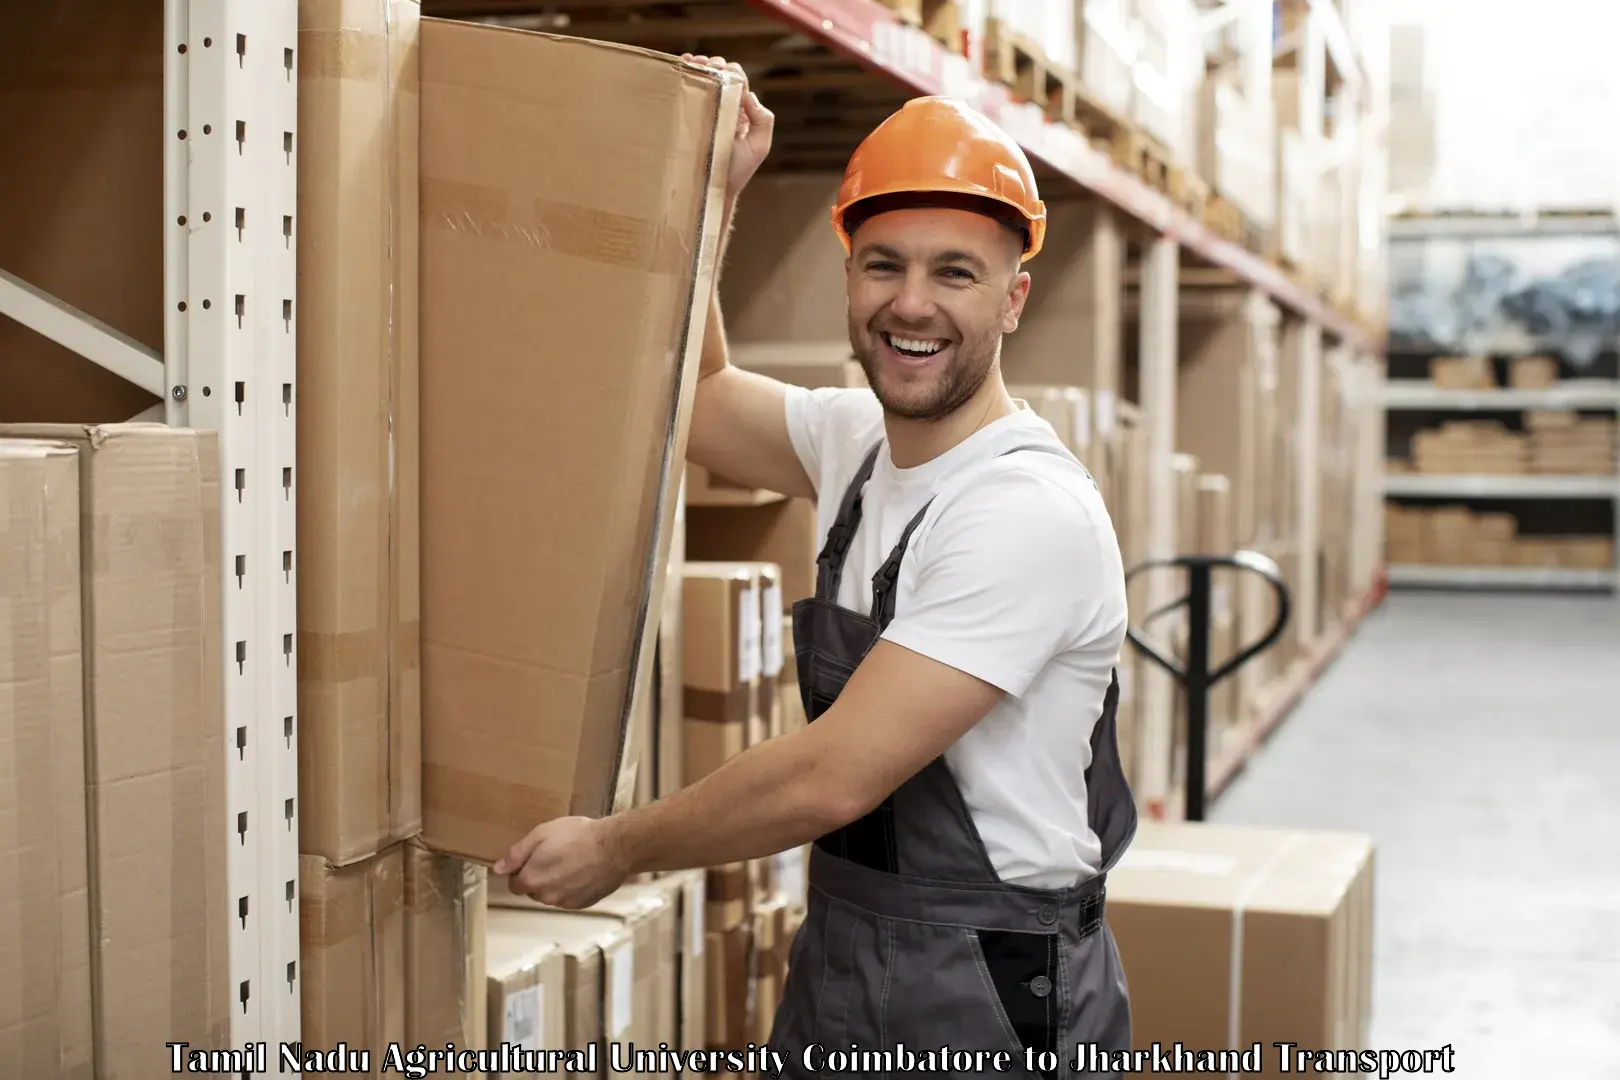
pixel 911 938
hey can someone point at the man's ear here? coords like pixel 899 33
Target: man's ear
pixel 1017 297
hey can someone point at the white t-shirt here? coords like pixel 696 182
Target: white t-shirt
pixel 1013 576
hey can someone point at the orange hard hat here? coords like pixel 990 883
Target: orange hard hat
pixel 940 145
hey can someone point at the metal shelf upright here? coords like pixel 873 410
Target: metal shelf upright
pixel 230 196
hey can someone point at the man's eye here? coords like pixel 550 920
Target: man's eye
pixel 881 267
pixel 958 273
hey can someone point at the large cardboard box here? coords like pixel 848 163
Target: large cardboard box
pixel 811 364
pixel 722 632
pixel 527 993
pixel 45 1028
pixel 149 534
pixel 599 961
pixel 783 532
pixel 689 896
pixel 359 477
pixel 351 922
pixel 446 998
pixel 654 914
pixel 1231 936
pixel 567 257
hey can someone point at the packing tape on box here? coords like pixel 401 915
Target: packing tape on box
pixel 1234 993
pixel 355 909
pixel 716 706
pixel 488 800
pixel 560 227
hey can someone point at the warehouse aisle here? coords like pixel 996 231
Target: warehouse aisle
pixel 1477 739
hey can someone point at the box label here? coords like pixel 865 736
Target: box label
pixel 623 967
pixel 523 1012
pixel 771 630
pixel 748 635
pixel 1105 413
pixel 1082 425
pixel 694 915
pixel 790 872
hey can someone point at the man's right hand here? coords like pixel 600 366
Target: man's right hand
pixel 755 123
pixel 739 420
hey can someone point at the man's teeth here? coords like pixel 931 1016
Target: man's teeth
pixel 924 348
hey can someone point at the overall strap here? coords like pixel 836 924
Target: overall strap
pixel 883 582
pixel 830 563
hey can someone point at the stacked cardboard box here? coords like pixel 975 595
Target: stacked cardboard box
pixel 527 719
pixel 393 934
pixel 1169 71
pixel 114 672
pixel 1565 444
pixel 1481 447
pixel 1462 373
pixel 1105 53
pixel 1236 936
pixel 1533 372
pixel 1459 536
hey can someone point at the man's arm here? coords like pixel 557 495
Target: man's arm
pixel 1020 573
pixel 739 418
pixel 899 711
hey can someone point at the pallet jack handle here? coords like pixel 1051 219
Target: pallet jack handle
pixel 1195 677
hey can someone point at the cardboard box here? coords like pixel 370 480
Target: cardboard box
pixel 728 896
pixel 783 533
pixel 722 631
pixel 1533 372
pixel 359 599
pixel 688 893
pixel 665 763
pixel 527 989
pixel 599 971
pixel 351 922
pixel 652 912
pixel 576 461
pixel 768 959
pixel 811 364
pixel 45 1025
pixel 154 735
pixel 1067 408
pixel 1462 373
pixel 445 993
pixel 1231 936
pixel 727 981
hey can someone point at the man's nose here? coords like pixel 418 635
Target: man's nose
pixel 915 300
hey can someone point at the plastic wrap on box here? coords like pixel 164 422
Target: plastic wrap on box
pixel 1105 54
pixel 1169 69
pixel 1507 295
pixel 1238 150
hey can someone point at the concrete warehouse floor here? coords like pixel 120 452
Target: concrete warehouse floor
pixel 1476 738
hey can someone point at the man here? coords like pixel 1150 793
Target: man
pixel 960 776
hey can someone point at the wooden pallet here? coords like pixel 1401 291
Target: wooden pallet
pixel 1016 62
pixel 1142 155
pixel 939 19
pixel 1225 220
pixel 1189 191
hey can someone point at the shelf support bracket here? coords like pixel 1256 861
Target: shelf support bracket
pixel 90 338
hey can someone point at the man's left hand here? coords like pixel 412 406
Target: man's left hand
pixel 567 863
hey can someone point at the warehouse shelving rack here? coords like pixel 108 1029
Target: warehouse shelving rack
pixel 228 364
pixel 1592 394
pixel 230 83
pixel 879 60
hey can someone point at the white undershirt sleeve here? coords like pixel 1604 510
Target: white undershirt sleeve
pixel 1008 576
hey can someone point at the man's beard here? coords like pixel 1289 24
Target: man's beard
pixel 949 390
